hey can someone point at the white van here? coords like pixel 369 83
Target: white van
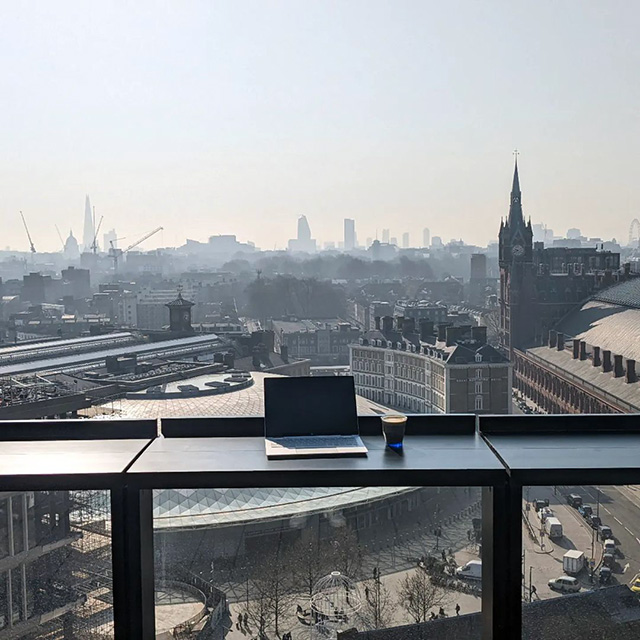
pixel 609 546
pixel 472 570
pixel 553 527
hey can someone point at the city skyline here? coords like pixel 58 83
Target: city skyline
pixel 243 118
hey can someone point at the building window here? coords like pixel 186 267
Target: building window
pixel 478 403
pixel 478 387
pixel 478 357
pixel 478 374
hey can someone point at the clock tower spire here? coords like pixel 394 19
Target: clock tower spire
pixel 517 289
pixel 515 208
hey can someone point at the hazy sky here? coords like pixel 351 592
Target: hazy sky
pixel 212 117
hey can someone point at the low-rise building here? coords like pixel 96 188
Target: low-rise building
pixel 323 342
pixel 452 370
pixel 421 310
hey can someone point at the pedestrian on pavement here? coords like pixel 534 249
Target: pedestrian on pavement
pixel 239 622
pixel 457 609
pixel 444 556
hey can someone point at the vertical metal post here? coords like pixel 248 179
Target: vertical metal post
pixel 502 561
pixel 133 570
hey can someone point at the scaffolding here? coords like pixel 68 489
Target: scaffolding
pixel 78 565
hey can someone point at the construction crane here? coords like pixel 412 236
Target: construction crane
pixel 115 253
pixel 59 236
pixel 94 244
pixel 24 222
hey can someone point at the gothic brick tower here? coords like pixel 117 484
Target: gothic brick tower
pixel 517 279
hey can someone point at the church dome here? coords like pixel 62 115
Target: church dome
pixel 71 248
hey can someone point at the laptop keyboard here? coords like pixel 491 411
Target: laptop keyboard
pixel 318 442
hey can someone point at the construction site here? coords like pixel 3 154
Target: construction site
pixel 55 565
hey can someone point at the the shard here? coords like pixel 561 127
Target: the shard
pixel 89 230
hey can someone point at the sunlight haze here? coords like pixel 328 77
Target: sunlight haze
pixel 237 117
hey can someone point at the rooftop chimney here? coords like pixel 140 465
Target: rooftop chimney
pixel 631 370
pixel 553 338
pixel 399 323
pixel 451 335
pixel 377 321
pixel 560 341
pixel 583 350
pixel 409 326
pixel 442 331
pixel 387 324
pixel 596 357
pixel 576 348
pixel 479 334
pixel 606 360
pixel 618 371
pixel 426 330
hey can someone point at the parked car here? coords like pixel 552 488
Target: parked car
pixel 544 513
pixel 472 570
pixel 609 546
pixel 608 560
pixel 566 584
pixel 574 500
pixel 594 521
pixel 605 575
pixel 585 510
pixel 634 585
pixel 540 504
pixel 605 532
pixel 553 527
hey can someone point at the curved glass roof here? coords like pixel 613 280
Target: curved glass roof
pixel 195 508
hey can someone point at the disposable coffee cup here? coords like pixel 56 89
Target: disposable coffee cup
pixel 393 426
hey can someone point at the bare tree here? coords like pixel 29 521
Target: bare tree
pixel 379 604
pixel 345 552
pixel 418 595
pixel 270 594
pixel 308 561
pixel 491 320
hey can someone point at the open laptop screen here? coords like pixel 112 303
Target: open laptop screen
pixel 324 406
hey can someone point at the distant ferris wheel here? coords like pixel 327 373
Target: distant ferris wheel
pixel 634 232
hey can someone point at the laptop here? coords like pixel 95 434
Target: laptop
pixel 311 417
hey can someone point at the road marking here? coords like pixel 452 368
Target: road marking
pixel 607 510
pixel 626 566
pixel 618 521
pixel 629 530
pixel 637 540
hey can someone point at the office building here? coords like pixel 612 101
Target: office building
pixel 76 283
pixel 426 238
pixel 385 236
pixel 304 243
pixel 349 234
pixel 405 240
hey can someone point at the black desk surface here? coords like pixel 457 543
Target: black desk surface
pixel 549 458
pixel 238 461
pixel 48 462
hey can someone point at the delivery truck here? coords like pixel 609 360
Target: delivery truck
pixel 573 562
